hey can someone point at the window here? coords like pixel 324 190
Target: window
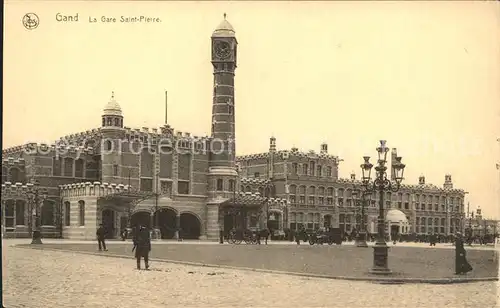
pixel 256 175
pixel 305 169
pixel 329 171
pixel 329 200
pixel 183 187
pixel 321 200
pixel 231 185
pixel 48 213
pixel 146 184
pixel 68 167
pixel 115 170
pixel 312 168
pixel 108 145
pixel 295 168
pixel 311 200
pixel 56 166
pixel 20 212
pixel 67 213
pixel 319 172
pixel 79 168
pixel 220 185
pixel 14 175
pixel 9 214
pixel 293 199
pixel 81 211
pixel 302 200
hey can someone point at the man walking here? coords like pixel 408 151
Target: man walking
pixel 142 246
pixel 101 234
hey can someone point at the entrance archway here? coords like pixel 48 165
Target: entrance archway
pixel 167 222
pixel 190 226
pixel 328 221
pixel 273 222
pixel 140 218
pixel 108 222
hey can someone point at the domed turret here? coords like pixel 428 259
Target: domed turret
pixel 224 29
pixel 112 113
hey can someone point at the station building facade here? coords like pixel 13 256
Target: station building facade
pixel 172 180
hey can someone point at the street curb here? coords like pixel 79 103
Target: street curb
pixel 382 280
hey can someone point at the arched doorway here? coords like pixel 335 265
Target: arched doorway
pixel 273 222
pixel 140 218
pixel 108 222
pixel 190 226
pixel 327 221
pixel 166 221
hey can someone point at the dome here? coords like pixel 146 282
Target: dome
pixel 112 107
pixel 394 215
pixel 224 29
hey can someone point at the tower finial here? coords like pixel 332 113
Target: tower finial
pixel 225 16
pixel 112 94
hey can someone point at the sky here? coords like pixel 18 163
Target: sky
pixel 422 75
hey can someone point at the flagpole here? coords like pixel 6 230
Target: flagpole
pixel 166 107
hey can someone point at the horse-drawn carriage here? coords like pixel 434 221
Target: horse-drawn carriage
pixel 333 235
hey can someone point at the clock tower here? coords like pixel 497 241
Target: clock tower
pixel 224 64
pixel 222 174
pixel 222 150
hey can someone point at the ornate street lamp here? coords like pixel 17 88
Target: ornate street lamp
pixel 361 239
pixel 36 197
pixel 381 184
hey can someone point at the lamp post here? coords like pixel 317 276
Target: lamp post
pixel 381 184
pixel 36 197
pixel 360 241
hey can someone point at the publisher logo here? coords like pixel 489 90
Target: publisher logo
pixel 31 21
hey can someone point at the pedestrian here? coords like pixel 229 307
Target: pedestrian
pixel 461 264
pixel 142 246
pixel 101 235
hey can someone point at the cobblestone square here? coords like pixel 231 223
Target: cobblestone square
pixel 37 278
pixel 344 260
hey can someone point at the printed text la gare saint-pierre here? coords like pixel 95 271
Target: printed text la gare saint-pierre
pixel 106 19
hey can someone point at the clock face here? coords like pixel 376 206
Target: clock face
pixel 222 49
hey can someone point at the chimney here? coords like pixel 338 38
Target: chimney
pixel 421 180
pixel 272 144
pixel 394 154
pixel 448 184
pixel 324 148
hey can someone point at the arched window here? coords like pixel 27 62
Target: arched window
pixel 81 210
pixel 14 175
pixel 48 213
pixel 108 145
pixel 103 121
pixel 67 213
pixel 56 166
pixel 117 122
pixel 79 168
pixel 231 185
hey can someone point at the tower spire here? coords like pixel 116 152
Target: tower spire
pixel 225 15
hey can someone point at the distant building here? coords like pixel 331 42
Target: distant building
pixel 317 197
pixel 177 182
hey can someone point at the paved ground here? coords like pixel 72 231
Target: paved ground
pixel 40 279
pixel 344 260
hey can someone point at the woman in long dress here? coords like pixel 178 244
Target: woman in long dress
pixel 461 264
